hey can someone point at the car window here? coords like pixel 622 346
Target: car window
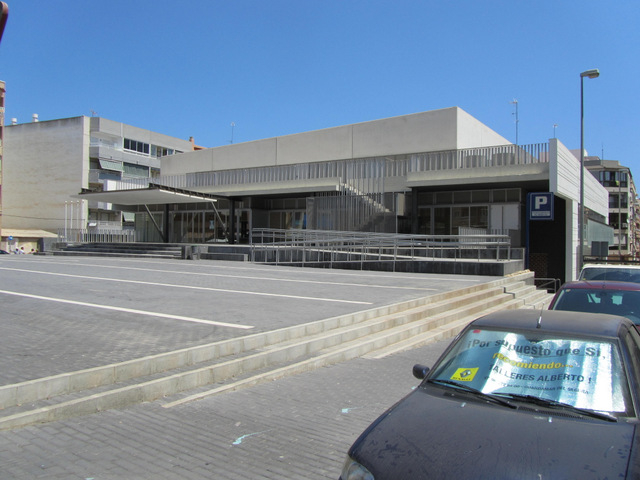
pixel 620 274
pixel 625 303
pixel 585 373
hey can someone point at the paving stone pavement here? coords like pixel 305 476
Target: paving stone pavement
pixel 60 315
pixel 295 427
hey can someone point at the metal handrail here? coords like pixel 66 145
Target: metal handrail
pixel 328 247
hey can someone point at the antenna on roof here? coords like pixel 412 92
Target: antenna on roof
pixel 515 102
pixel 539 324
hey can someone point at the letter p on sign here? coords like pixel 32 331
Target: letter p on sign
pixel 540 201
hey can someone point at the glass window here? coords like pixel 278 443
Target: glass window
pixel 625 303
pixel 499 196
pixel 442 221
pixel 461 197
pixel 481 196
pixel 425 198
pixel 459 218
pixel 479 217
pixel 513 195
pixel 443 198
pixel 582 372
pixel 424 221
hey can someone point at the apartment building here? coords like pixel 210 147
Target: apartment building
pixel 623 206
pixel 46 163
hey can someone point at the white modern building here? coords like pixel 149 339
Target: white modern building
pixel 46 163
pixel 440 172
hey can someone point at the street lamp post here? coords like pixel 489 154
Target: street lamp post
pixel 594 73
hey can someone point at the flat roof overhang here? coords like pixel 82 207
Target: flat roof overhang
pixel 508 174
pixel 290 187
pixel 152 195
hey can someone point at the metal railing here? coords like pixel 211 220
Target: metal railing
pixel 84 235
pixel 367 171
pixel 309 247
pixel 551 285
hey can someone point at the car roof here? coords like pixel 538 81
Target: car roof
pixel 609 266
pixel 555 321
pixel 602 285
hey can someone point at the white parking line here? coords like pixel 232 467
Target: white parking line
pixel 130 310
pixel 189 287
pixel 271 279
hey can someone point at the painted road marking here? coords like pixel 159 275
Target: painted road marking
pixel 190 287
pixel 130 310
pixel 274 279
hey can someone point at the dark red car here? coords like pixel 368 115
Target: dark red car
pixel 613 298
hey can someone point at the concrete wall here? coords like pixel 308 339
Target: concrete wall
pixel 446 129
pixel 47 162
pixel 122 130
pixel 564 181
pixel 471 133
pixel 44 163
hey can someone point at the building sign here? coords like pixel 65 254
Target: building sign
pixel 540 206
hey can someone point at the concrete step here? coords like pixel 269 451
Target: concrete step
pixel 248 360
pixel 152 250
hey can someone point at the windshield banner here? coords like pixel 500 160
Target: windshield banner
pixel 580 373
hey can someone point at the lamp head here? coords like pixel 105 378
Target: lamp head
pixel 595 73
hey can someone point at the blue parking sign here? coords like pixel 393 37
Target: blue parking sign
pixel 540 206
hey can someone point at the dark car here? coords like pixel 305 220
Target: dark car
pixel 518 394
pixel 614 298
pixel 4 252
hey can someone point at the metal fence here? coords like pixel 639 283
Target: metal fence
pixel 84 235
pixel 313 247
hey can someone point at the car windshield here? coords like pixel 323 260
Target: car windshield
pixel 584 373
pixel 625 303
pixel 618 274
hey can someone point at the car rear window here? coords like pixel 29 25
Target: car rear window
pixel 625 303
pixel 584 373
pixel 619 274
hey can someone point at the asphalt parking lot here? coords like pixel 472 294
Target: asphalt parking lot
pixel 61 314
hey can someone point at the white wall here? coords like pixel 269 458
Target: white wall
pixel 564 181
pixel 43 165
pixel 446 129
pixel 472 134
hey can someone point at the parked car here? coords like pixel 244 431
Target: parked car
pixel 518 394
pixel 614 298
pixel 619 273
pixel 4 252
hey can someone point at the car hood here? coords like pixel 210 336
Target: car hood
pixel 433 434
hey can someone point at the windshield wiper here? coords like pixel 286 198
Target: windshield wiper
pixel 475 391
pixel 555 404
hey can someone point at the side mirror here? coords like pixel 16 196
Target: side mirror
pixel 420 371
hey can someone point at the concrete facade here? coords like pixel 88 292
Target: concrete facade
pixel 438 130
pixel 435 173
pixel 47 162
pixel 623 206
pixel 430 163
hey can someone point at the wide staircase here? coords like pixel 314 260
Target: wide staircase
pixel 197 372
pixel 137 250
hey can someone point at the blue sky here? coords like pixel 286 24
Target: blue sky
pixel 276 67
